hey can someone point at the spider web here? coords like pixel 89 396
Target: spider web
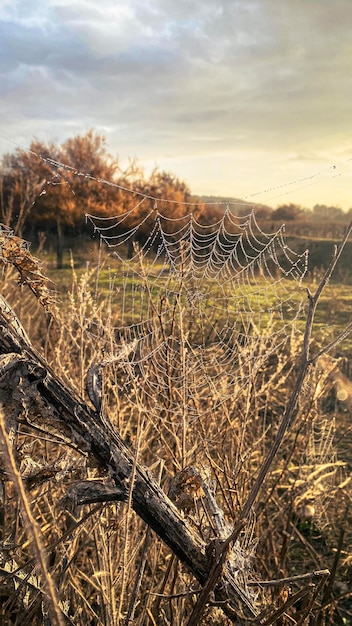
pixel 202 306
pixel 197 304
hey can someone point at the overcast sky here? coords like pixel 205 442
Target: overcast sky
pixel 238 98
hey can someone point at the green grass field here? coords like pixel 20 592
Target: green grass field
pixel 112 285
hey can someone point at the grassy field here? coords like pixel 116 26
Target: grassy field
pixel 111 285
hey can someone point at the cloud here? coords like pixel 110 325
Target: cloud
pixel 189 80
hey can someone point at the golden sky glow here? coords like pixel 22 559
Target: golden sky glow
pixel 249 99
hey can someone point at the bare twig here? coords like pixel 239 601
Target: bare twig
pixel 218 556
pixel 273 618
pixel 32 527
pixel 143 560
pixel 290 580
pixel 305 362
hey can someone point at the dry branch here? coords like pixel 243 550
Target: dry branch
pixel 95 436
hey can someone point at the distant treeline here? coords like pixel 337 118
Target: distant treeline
pixel 46 191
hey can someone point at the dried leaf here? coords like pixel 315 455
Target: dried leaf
pixel 15 251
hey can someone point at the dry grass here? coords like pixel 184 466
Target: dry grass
pixel 104 566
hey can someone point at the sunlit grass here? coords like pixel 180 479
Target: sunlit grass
pixel 259 301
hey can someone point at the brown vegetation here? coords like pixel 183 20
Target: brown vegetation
pixel 47 190
pixel 266 456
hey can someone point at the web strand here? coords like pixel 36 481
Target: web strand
pixel 199 301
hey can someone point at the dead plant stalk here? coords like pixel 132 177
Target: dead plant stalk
pixel 31 525
pixel 305 361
